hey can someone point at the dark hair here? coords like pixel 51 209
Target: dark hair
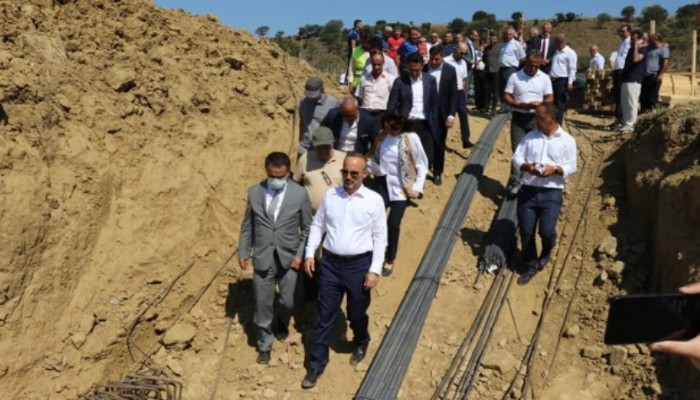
pixel 638 32
pixel 394 118
pixel 550 109
pixel 626 27
pixel 534 53
pixel 415 57
pixel 376 43
pixel 414 28
pixel 435 50
pixel 357 21
pixel 277 159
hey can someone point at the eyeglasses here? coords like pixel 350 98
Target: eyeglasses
pixel 353 174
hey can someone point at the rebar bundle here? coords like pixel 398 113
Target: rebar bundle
pixel 385 375
pixel 501 241
pixel 148 384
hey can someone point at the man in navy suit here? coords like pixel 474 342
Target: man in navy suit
pixel 446 77
pixel 354 129
pixel 415 96
pixel 544 42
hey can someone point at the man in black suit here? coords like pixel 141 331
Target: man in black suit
pixel 354 129
pixel 446 77
pixel 544 43
pixel 419 106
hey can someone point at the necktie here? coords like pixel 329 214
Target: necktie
pixel 544 47
pixel 273 205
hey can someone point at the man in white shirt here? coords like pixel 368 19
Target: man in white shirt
pixel 510 58
pixel 546 156
pixel 597 60
pixel 351 220
pixel 375 87
pixel 525 91
pixel 618 65
pixel 460 65
pixel 389 65
pixel 275 226
pixel 563 74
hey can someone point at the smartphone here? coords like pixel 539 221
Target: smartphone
pixel 646 318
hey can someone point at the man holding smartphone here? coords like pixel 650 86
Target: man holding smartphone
pixel 546 157
pixel 690 348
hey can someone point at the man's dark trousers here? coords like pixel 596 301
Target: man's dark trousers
pixel 560 91
pixel 463 116
pixel 617 93
pixel 520 125
pixel 338 276
pixel 543 206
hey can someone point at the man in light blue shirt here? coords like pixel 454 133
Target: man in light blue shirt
pixel 511 57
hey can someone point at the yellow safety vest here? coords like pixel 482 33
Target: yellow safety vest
pixel 359 58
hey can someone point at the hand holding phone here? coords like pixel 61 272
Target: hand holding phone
pixel 653 317
pixel 691 348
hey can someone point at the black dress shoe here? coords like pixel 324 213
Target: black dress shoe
pixel 310 378
pixel 358 354
pixel 467 144
pixel 281 333
pixel 263 357
pixel 437 180
pixel 526 277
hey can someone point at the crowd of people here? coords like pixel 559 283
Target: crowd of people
pixel 374 149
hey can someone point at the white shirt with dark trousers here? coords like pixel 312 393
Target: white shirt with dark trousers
pixel 352 224
pixel 564 64
pixel 557 150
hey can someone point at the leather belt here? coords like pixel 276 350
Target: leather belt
pixel 355 257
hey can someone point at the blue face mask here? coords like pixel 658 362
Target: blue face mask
pixel 276 183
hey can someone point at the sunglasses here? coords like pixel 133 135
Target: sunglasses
pixel 353 174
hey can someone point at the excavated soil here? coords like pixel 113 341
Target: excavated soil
pixel 129 135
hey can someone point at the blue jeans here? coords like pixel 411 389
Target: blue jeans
pixel 538 206
pixel 339 276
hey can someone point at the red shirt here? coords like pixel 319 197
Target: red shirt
pixel 394 45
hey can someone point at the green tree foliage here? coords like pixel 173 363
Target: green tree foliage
pixel 603 18
pixel 654 12
pixel 332 33
pixel 479 15
pixel 262 30
pixel 570 17
pixel 457 25
pixel 309 30
pixel 517 16
pixel 560 17
pixel 627 13
pixel 687 11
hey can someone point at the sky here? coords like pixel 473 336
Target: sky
pixel 289 15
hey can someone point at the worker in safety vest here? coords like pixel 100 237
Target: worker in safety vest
pixel 357 62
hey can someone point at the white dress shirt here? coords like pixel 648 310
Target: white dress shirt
pixel 389 165
pixel 417 110
pixel 622 50
pixel 437 74
pixel 374 92
pixel 352 224
pixel 511 54
pixel 597 62
pixel 526 89
pixel 557 150
pixel 269 194
pixel 348 136
pixel 564 64
pixel 460 68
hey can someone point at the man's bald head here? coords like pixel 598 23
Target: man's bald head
pixel 348 109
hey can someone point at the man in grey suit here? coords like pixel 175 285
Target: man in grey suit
pixel 275 225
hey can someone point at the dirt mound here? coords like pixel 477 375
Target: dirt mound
pixel 131 134
pixel 663 185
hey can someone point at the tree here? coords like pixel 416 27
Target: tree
pixel 570 17
pixel 262 30
pixel 279 34
pixel 425 28
pixel 654 12
pixel 517 16
pixel 627 13
pixel 331 33
pixel 457 25
pixel 560 17
pixel 687 11
pixel 479 15
pixel 603 18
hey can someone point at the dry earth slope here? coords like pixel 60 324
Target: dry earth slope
pixel 131 135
